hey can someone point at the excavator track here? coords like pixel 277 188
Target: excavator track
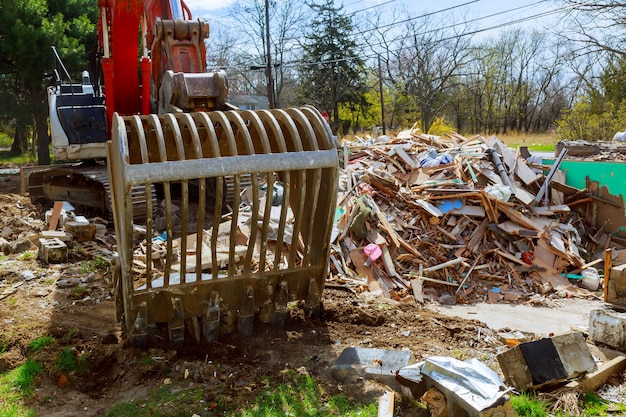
pixel 210 270
pixel 86 186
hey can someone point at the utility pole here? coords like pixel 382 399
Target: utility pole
pixel 382 97
pixel 270 78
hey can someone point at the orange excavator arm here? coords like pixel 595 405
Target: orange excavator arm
pixel 144 42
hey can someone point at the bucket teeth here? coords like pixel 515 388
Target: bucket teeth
pixel 211 319
pixel 279 315
pixel 176 325
pixel 245 323
pixel 139 332
pixel 312 307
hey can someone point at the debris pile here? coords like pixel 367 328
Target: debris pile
pixel 597 151
pixel 457 219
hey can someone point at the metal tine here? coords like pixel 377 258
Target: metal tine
pixel 137 125
pixel 180 151
pixel 243 134
pixel 189 127
pixel 168 205
pixel 203 120
pixel 296 143
pixel 229 137
pixel 326 199
pixel 279 141
pixel 250 119
pixel 306 132
pixel 254 123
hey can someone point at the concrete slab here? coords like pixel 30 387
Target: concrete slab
pixel 609 327
pixel 549 360
pixel 376 364
pixel 564 315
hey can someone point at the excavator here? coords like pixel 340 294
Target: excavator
pixel 223 218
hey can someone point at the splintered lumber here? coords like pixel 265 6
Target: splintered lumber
pixel 443 219
pixel 445 265
pixel 517 217
pixel 359 258
pixel 608 265
pixel 510 257
pixel 436 281
pixel 398 150
pixel 417 285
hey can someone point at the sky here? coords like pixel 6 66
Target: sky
pixel 489 13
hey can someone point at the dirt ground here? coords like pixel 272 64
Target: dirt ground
pixel 33 303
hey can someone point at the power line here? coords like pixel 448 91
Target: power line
pixel 391 24
pixel 298 63
pixel 498 26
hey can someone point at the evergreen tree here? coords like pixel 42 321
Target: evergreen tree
pixel 333 74
pixel 28 30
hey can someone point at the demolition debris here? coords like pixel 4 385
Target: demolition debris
pixel 463 220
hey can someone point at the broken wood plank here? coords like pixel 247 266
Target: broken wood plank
pixel 510 257
pixel 412 276
pixel 517 217
pixel 417 285
pixel 386 404
pixel 445 265
pixel 56 213
pixel 399 150
pixel 359 258
pixel 471 211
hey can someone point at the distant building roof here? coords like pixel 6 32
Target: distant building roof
pixel 260 102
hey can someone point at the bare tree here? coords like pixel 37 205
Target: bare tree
pixel 426 61
pixel 600 25
pixel 246 41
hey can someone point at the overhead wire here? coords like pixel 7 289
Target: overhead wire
pixel 298 63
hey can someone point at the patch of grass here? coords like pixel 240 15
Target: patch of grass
pixel 593 405
pixel 67 362
pixel 19 381
pixel 97 264
pixel 300 396
pixel 534 141
pixel 79 292
pixel 9 158
pixel 166 401
pixel 4 344
pixel 528 406
pixel 26 255
pixel 70 334
pixel 40 343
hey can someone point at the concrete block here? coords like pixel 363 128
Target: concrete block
pixel 52 250
pixel 595 380
pixel 82 232
pixel 62 217
pixel 609 327
pixel 51 234
pixel 533 364
pixel 616 288
pixel 375 364
pixel 574 354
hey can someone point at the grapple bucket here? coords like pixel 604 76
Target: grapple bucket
pixel 242 221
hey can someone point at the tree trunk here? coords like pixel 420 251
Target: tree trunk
pixel 19 139
pixel 41 126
